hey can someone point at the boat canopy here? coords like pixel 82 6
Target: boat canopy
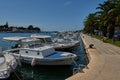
pixel 21 39
pixel 29 40
pixel 40 36
pixel 13 39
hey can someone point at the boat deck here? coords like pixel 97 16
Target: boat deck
pixel 8 58
pixel 55 55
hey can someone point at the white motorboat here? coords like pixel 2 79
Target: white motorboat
pixel 7 65
pixel 45 39
pixel 34 53
pixel 63 44
pixel 66 44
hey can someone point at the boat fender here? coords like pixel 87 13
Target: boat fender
pixel 33 62
pixel 19 61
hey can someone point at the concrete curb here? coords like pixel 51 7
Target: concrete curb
pixel 104 61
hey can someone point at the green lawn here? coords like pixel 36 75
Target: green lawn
pixel 97 37
pixel 116 42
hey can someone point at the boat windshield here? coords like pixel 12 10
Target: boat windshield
pixel 48 40
pixel 42 40
pixel 32 43
pixel 67 40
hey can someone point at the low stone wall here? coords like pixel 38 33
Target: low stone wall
pixel 86 46
pixel 87 52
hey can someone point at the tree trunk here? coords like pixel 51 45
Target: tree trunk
pixel 104 31
pixel 111 30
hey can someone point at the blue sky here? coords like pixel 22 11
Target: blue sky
pixel 49 15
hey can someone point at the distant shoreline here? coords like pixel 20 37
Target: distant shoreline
pixel 19 32
pixel 26 31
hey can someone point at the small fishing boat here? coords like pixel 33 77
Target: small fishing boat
pixel 34 53
pixel 7 65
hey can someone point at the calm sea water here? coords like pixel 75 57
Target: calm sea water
pixel 45 72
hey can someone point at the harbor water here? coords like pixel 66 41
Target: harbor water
pixel 45 72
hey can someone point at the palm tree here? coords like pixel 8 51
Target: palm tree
pixel 106 18
pixel 91 23
pixel 114 13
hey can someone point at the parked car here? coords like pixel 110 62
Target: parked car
pixel 117 35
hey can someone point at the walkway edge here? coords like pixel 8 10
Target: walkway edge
pixel 92 65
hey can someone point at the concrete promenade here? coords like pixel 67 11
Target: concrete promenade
pixel 104 61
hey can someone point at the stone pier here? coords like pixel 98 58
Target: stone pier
pixel 104 61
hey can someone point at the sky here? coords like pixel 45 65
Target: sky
pixel 48 15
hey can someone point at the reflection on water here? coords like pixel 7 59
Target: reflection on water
pixel 45 72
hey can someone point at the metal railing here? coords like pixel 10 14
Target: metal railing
pixel 78 67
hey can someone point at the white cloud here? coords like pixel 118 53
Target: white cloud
pixel 67 3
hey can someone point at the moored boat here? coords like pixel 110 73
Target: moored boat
pixel 34 53
pixel 60 44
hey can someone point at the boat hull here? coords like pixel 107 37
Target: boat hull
pixel 65 61
pixel 68 48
